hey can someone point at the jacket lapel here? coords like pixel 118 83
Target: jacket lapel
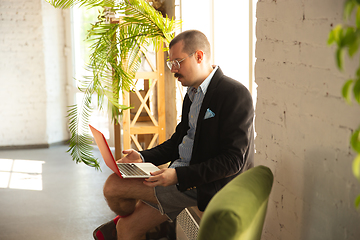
pixel 205 104
pixel 209 93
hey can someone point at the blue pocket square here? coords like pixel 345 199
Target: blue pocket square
pixel 209 114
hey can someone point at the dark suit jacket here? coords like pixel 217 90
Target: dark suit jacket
pixel 223 145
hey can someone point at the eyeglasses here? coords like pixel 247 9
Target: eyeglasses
pixel 176 63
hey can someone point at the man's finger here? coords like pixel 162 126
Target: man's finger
pixel 157 172
pixel 151 184
pixel 127 151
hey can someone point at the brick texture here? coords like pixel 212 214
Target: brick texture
pixel 32 74
pixel 303 125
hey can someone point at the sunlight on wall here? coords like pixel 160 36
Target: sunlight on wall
pixel 21 174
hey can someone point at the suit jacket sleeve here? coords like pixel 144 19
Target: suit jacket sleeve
pixel 168 150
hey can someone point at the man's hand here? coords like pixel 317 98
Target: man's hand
pixel 164 177
pixel 132 156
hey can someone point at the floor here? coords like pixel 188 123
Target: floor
pixel 66 201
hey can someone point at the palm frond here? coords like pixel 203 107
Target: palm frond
pixel 80 142
pixel 81 3
pixel 116 50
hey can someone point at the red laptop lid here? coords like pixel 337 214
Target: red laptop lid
pixel 105 150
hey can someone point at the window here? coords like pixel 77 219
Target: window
pixel 81 23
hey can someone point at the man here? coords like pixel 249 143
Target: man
pixel 212 144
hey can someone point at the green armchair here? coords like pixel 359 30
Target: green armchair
pixel 238 210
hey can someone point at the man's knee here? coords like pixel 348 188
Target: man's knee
pixel 111 186
pixel 116 188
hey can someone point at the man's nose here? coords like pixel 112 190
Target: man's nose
pixel 174 69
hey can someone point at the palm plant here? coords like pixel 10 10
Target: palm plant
pixel 115 57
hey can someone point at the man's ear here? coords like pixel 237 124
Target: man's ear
pixel 199 56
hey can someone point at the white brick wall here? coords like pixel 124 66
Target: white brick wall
pixel 55 72
pixel 32 72
pixel 302 123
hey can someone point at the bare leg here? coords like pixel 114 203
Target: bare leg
pixel 123 194
pixel 135 226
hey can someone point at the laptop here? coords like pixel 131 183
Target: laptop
pixel 123 170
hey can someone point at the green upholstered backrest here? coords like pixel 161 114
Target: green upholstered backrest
pixel 238 210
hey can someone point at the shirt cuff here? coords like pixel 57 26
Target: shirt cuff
pixel 142 157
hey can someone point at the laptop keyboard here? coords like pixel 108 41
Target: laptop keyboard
pixel 131 170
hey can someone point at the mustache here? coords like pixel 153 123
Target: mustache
pixel 177 75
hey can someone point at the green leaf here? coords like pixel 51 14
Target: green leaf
pixel 349 36
pixel 357 1
pixel 358 17
pixel 356 90
pixel 356 167
pixel 350 40
pixel 346 91
pixel 353 48
pixel 331 38
pixel 339 58
pixel 357 201
pixel 82 3
pixel 348 8
pixel 80 141
pixel 355 142
pixel 338 35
